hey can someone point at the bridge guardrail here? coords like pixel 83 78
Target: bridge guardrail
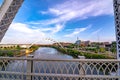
pixel 29 68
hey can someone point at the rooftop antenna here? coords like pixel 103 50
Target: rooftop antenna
pixel 77 44
pixel 98 42
pixel 77 38
pixel 98 38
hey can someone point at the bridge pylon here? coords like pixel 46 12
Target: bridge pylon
pixel 8 10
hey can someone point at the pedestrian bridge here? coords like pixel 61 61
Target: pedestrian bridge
pixel 14 68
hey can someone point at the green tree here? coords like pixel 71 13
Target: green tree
pixel 18 47
pixel 113 47
pixel 102 49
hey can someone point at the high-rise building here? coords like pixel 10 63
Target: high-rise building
pixel 78 42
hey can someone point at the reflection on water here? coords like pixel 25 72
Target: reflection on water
pixel 50 53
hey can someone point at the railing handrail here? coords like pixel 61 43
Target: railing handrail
pixel 42 59
pixel 60 75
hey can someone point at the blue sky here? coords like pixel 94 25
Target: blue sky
pixel 1 1
pixel 62 21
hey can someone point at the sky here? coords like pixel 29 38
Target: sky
pixel 47 21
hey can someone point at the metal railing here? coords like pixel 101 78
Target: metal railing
pixel 29 68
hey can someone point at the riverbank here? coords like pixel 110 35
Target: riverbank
pixel 26 52
pixel 76 53
pixel 17 51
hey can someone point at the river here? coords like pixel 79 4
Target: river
pixel 50 53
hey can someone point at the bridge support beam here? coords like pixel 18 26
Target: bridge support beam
pixel 8 11
pixel 116 4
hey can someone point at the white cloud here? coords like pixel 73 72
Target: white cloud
pixel 78 9
pixel 57 28
pixel 53 30
pixel 74 9
pixel 22 33
pixel 55 11
pixel 68 10
pixel 43 12
pixel 96 32
pixel 77 31
pixel 19 27
pixel 95 35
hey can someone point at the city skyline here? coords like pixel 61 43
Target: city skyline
pixel 63 21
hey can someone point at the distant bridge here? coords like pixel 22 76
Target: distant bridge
pixel 47 39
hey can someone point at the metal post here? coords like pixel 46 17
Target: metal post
pixel 29 67
pixel 116 5
pixel 81 65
